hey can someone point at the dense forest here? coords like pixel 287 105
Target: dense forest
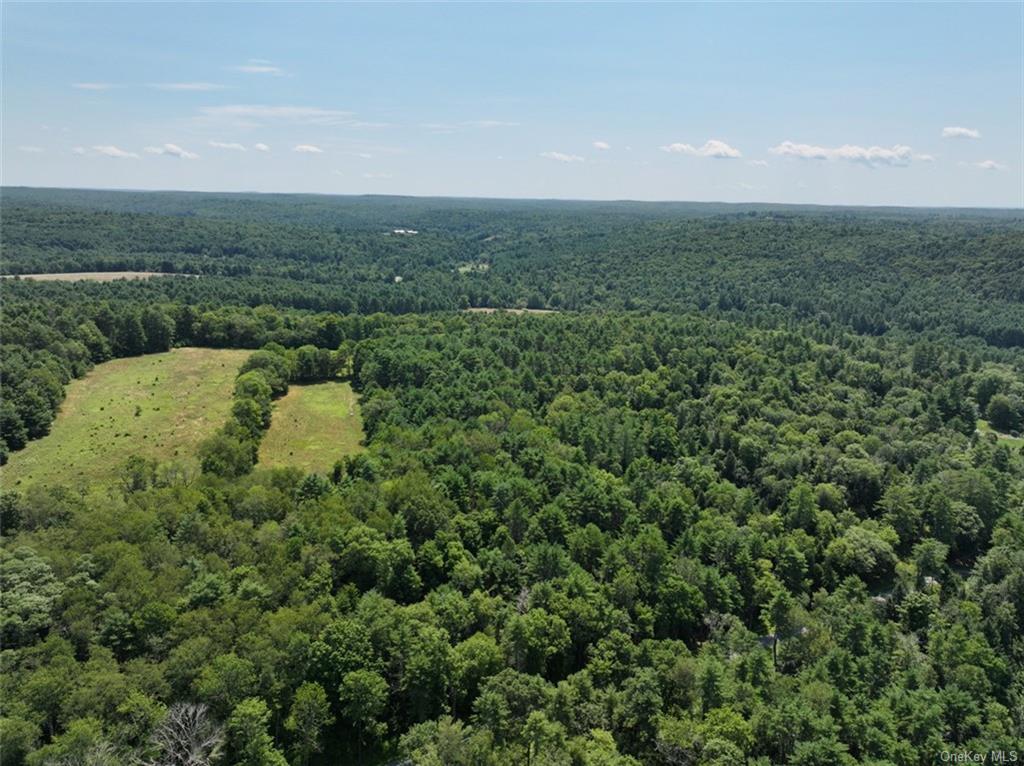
pixel 749 494
pixel 874 272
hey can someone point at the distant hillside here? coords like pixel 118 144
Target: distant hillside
pixel 872 270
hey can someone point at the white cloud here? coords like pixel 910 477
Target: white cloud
pixel 261 147
pixel 298 114
pixel 227 145
pixel 955 132
pixel 868 155
pixel 186 86
pixel 92 85
pixel 257 69
pixel 30 149
pixel 172 150
pixel 489 124
pixel 924 158
pixel 758 163
pixel 258 66
pixel 711 148
pixel 561 157
pixel 989 165
pixel 308 149
pixel 602 145
pixel 112 151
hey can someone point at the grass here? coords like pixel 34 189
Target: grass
pixel 984 427
pixel 158 406
pixel 312 427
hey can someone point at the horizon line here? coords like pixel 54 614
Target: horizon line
pixel 583 200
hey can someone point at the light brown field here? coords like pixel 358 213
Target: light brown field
pixel 510 311
pixel 93 276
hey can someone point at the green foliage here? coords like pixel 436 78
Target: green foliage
pixel 227 454
pixel 249 743
pixel 310 715
pixel 767 531
pixel 364 697
pixel 1004 413
pixel 28 596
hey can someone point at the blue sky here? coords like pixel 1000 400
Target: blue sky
pixel 908 104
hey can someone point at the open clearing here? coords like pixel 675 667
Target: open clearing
pixel 984 427
pixel 158 406
pixel 312 427
pixel 93 276
pixel 482 310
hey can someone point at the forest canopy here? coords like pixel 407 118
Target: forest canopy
pixel 752 492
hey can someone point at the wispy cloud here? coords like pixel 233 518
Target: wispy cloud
pixel 989 165
pixel 489 124
pixel 261 147
pixel 308 149
pixel 92 85
pixel 258 66
pixel 31 149
pixel 187 86
pixel 897 155
pixel 227 145
pixel 711 148
pixel 955 132
pixel 454 127
pixel 758 163
pixel 602 145
pixel 107 151
pixel 561 157
pixel 377 176
pixel 296 114
pixel 172 150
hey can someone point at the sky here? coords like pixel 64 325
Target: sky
pixel 866 104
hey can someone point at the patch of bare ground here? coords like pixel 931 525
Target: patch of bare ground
pixel 482 310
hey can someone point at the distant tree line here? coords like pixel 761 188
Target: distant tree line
pixel 961 274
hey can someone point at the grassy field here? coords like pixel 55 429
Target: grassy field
pixel 312 427
pixel 158 406
pixel 1013 441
